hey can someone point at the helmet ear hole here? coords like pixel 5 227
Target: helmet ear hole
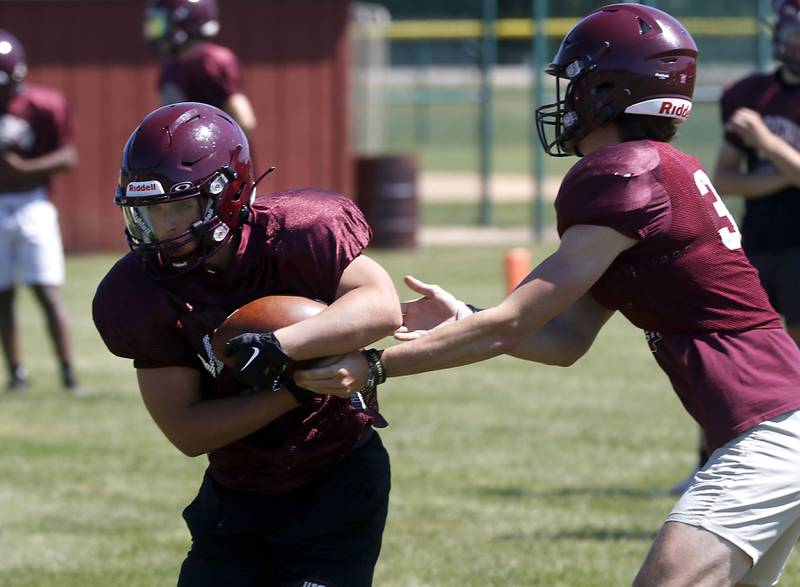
pixel 605 115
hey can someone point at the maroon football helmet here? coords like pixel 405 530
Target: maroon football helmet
pixel 170 24
pixel 12 61
pixel 786 35
pixel 622 58
pixel 189 161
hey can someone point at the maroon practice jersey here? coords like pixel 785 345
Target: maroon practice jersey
pixel 687 283
pixel 35 122
pixel 770 222
pixel 296 242
pixel 209 74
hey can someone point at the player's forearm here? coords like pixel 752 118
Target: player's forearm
pixel 566 337
pixel 212 424
pixel 357 319
pixel 552 345
pixel 784 156
pixel 238 106
pixel 555 285
pixel 737 183
pixel 41 168
pixel 475 338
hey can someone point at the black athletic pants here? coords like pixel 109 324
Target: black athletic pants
pixel 324 534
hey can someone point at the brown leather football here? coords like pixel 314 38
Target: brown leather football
pixel 262 315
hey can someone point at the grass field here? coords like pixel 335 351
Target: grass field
pixel 505 473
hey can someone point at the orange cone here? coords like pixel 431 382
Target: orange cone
pixel 518 265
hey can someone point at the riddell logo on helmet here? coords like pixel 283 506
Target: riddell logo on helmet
pixel 677 110
pixel 144 188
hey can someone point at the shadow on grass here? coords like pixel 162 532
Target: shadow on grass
pixel 582 534
pixel 521 492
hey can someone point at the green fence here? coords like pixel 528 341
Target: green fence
pixel 440 102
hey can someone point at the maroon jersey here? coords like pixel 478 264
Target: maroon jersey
pixel 209 74
pixel 295 242
pixel 769 222
pixel 687 283
pixel 35 122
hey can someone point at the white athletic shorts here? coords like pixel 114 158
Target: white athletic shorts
pixel 30 241
pixel 749 494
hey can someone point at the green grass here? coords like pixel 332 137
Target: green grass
pixel 505 473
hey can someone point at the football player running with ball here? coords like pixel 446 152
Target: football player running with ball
pixel 643 232
pixel 297 487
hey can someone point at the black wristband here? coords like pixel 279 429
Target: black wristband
pixel 377 370
pixel 303 396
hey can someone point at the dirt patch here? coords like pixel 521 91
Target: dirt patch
pixel 482 235
pixel 466 187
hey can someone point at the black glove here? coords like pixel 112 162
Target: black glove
pixel 260 360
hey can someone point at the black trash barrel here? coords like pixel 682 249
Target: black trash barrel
pixel 386 191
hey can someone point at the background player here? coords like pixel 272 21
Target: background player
pixel 759 160
pixel 195 69
pixel 643 232
pixel 36 142
pixel 297 487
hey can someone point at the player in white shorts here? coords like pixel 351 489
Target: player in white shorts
pixel 36 141
pixel 30 240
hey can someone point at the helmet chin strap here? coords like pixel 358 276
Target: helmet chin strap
pixel 245 211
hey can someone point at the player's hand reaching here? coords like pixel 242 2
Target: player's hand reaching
pixel 346 376
pixel 437 306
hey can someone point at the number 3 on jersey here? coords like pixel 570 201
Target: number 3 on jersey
pixel 732 239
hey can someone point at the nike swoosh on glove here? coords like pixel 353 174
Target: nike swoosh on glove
pixel 260 360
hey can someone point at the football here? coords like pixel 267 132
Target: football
pixel 262 315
